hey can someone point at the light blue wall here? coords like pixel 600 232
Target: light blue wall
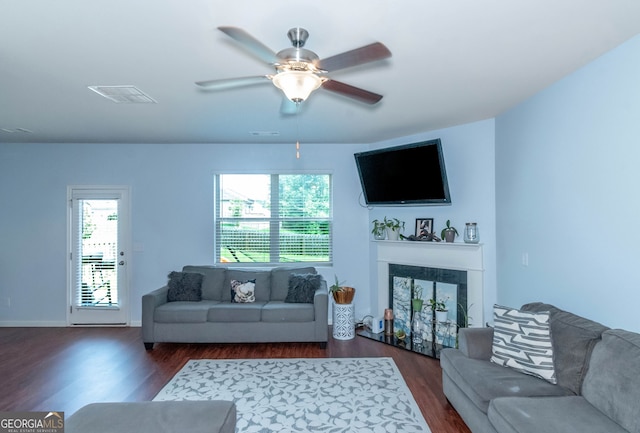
pixel 171 195
pixel 470 163
pixel 567 193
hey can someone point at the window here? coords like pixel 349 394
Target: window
pixel 273 218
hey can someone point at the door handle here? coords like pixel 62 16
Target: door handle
pixel 121 262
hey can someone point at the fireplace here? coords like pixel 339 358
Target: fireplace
pixel 457 264
pixel 448 286
pixel 436 270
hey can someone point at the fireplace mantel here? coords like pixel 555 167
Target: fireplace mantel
pixel 458 256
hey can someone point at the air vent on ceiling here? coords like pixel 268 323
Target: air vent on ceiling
pixel 123 94
pixel 16 130
pixel 264 133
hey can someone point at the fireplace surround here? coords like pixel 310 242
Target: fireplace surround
pixel 439 257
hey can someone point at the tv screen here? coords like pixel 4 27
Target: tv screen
pixel 412 174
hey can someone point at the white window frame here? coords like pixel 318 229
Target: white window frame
pixel 274 221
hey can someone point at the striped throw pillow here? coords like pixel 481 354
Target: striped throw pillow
pixel 522 340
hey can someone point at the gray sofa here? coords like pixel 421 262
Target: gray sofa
pixel 597 390
pixel 215 319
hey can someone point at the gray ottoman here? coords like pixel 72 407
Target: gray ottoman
pixel 155 417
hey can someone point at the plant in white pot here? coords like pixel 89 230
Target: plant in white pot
pixel 379 230
pixel 449 233
pixel 439 307
pixel 393 226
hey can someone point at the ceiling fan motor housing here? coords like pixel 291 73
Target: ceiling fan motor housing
pixel 297 59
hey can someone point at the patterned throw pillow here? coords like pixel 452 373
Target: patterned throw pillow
pixel 302 288
pixel 243 291
pixel 522 340
pixel 184 286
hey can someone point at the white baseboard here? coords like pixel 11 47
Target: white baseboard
pixel 33 324
pixel 50 324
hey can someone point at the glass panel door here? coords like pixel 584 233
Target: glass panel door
pixel 98 258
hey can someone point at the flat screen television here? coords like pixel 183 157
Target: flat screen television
pixel 411 174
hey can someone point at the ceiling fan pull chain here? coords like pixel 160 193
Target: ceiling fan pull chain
pixel 297 130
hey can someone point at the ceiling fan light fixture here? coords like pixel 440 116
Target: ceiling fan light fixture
pixel 297 85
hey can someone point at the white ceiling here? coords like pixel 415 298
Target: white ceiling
pixel 454 62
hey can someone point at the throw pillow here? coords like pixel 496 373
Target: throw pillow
pixel 522 340
pixel 184 286
pixel 243 291
pixel 302 288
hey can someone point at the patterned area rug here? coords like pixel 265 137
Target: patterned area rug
pixel 331 395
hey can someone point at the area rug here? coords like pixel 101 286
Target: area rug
pixel 331 395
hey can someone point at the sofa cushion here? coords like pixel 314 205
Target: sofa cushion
pixel 302 288
pixel 280 280
pixel 262 279
pixel 213 282
pixel 243 291
pixel 481 380
pixel 234 312
pixel 278 311
pixel 183 312
pixel 184 286
pixel 551 414
pixel 573 338
pixel 612 383
pixel 522 341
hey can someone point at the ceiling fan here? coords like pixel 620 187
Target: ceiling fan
pixel 299 71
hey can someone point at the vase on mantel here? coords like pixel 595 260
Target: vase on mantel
pixel 393 235
pixel 471 235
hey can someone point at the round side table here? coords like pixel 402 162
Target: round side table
pixel 343 321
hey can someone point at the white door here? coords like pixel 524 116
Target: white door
pixel 99 239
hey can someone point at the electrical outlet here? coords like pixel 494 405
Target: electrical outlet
pixel 525 259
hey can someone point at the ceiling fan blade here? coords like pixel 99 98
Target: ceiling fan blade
pixel 256 47
pixel 288 107
pixel 351 91
pixel 366 54
pixel 231 83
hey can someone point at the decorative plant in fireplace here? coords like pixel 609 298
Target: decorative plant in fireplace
pixel 342 294
pixel 417 301
pixel 439 306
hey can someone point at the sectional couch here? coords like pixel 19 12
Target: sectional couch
pixel 597 375
pixel 283 304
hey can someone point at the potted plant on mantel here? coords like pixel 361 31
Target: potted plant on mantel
pixel 379 230
pixel 449 233
pixel 393 226
pixel 342 294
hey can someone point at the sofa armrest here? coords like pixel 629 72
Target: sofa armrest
pixel 150 302
pixel 476 342
pixel 321 311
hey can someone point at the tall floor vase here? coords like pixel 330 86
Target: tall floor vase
pixel 343 321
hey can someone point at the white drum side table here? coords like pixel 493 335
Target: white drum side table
pixel 343 321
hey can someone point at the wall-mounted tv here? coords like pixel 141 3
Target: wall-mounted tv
pixel 411 174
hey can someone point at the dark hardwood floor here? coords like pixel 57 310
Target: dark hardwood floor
pixel 63 369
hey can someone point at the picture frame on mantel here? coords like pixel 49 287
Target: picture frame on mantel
pixel 424 227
